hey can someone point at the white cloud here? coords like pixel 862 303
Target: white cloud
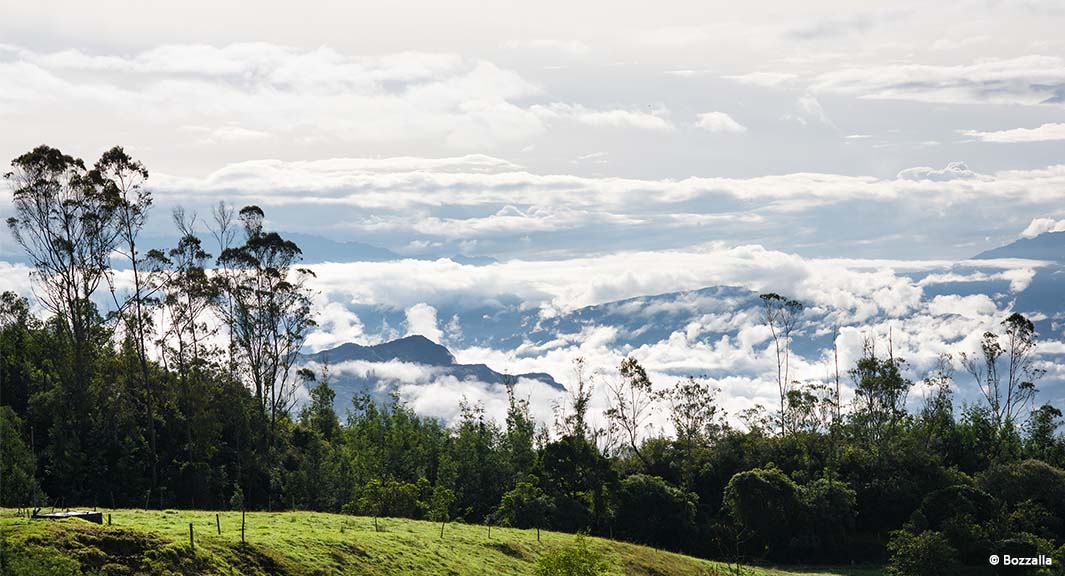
pixel 1044 133
pixel 572 47
pixel 228 133
pixel 1020 278
pixel 718 122
pixel 1031 79
pixel 479 180
pixel 508 220
pixel 1043 225
pixel 247 90
pixel 862 287
pixel 421 320
pixel 1018 273
pixel 810 107
pixel 16 278
pixel 437 203
pixel 953 171
pixel 974 306
pixel 654 119
pixel 764 79
pixel 336 325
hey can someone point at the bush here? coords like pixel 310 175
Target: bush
pixel 20 486
pixel 577 559
pixel 392 499
pixel 569 514
pixel 926 554
pixel 1034 492
pixel 526 506
pixel 943 505
pixel 651 511
pixel 766 503
pixel 829 512
pixel 967 517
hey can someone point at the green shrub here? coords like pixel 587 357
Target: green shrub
pixel 37 561
pixel 526 506
pixel 16 464
pixel 926 554
pixel 766 503
pixel 577 559
pixel 830 509
pixel 236 502
pixel 651 511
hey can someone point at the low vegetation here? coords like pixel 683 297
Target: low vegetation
pixel 304 543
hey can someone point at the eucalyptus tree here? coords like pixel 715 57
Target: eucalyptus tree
pixel 66 223
pixel 781 315
pixel 186 295
pixel 1005 370
pixel 879 396
pixel 224 231
pixel 632 402
pixel 519 434
pixel 123 179
pixel 694 412
pixel 268 310
pixel 571 414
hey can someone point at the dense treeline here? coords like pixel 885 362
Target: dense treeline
pixel 180 393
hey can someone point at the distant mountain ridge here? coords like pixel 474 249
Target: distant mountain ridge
pixel 317 249
pixel 1046 246
pixel 414 349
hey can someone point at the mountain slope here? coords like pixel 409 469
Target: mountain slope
pixel 1046 246
pixel 318 249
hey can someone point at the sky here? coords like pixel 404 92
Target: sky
pixel 565 140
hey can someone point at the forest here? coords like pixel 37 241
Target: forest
pixel 168 379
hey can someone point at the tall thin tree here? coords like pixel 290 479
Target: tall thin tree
pixel 781 314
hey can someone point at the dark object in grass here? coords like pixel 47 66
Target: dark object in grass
pixel 95 517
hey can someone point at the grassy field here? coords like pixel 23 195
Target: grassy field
pixel 304 543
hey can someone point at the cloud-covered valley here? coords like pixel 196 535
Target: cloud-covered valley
pixel 523 316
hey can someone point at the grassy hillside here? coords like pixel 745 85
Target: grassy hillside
pixel 303 543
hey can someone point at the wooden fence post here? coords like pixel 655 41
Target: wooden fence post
pixel 192 545
pixel 242 526
pixel 108 518
pixel 218 524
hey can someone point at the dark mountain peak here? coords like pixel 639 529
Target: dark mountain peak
pixel 416 349
pixel 1046 246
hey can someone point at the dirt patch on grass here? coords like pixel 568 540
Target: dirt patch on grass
pixel 510 549
pixel 249 559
